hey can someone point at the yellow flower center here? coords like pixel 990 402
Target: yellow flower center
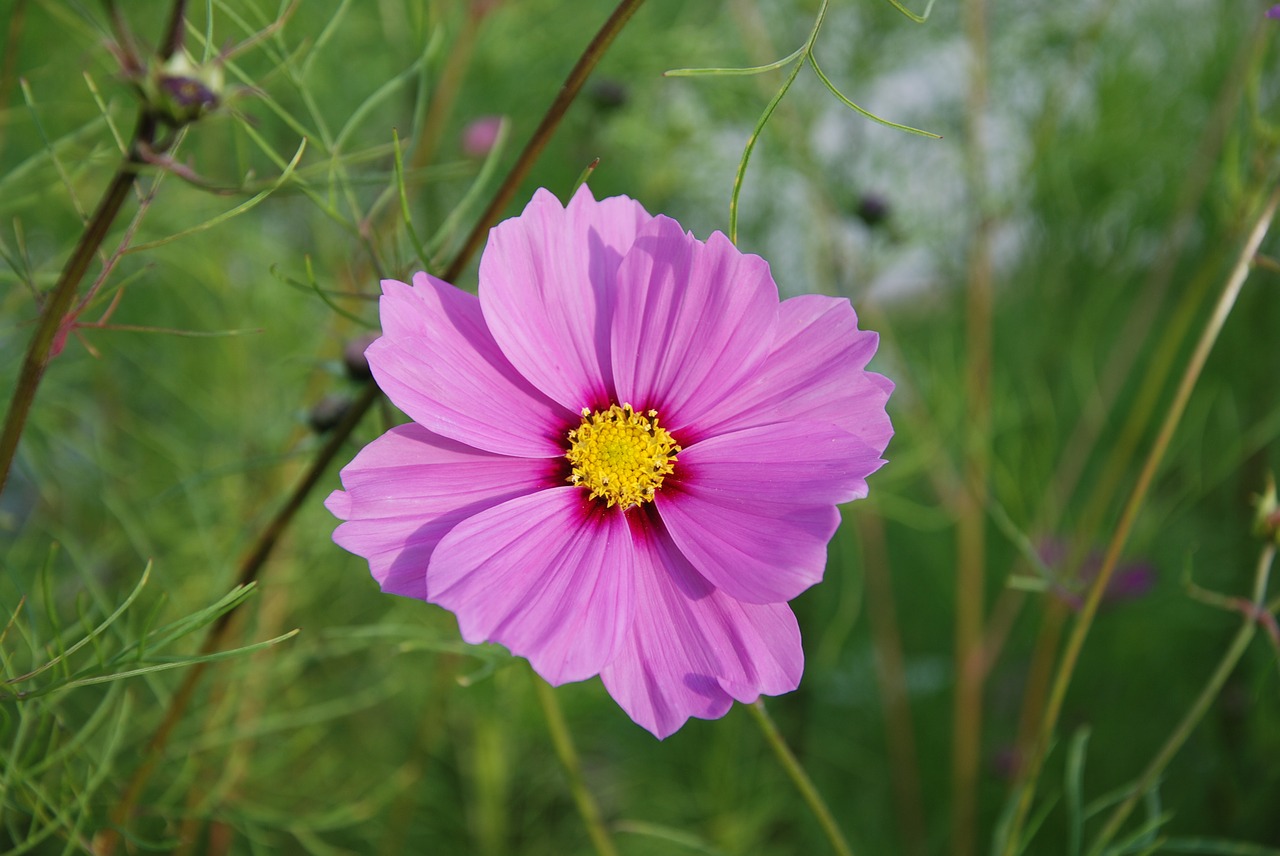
pixel 621 455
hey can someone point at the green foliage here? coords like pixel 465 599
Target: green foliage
pixel 1128 149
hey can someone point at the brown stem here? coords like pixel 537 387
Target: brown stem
pixel 174 30
pixel 568 91
pixel 64 291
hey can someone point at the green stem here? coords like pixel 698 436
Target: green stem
pixel 799 777
pixel 568 756
pixel 1198 709
pixel 971 523
pixel 1080 631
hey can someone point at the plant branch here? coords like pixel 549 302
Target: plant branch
pixel 63 294
pixel 1196 712
pixel 1066 668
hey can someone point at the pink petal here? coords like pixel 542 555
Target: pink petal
pixel 438 363
pixel 692 321
pixel 547 288
pixel 816 371
pixel 795 463
pixel 549 575
pixel 409 487
pixel 744 534
pixel 692 649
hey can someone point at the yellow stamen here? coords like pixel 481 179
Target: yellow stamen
pixel 621 455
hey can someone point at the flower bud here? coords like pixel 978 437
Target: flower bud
pixel 183 91
pixel 873 209
pixel 328 412
pixel 608 95
pixel 480 136
pixel 353 357
pixel 1266 522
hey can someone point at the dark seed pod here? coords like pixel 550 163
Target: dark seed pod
pixel 608 95
pixel 328 412
pixel 873 209
pixel 353 357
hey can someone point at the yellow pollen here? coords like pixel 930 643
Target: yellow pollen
pixel 620 455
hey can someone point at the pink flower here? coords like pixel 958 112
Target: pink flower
pixel 481 135
pixel 625 455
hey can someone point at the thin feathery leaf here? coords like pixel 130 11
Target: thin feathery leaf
pixel 219 219
pixel 798 53
pixel 831 87
pixel 919 19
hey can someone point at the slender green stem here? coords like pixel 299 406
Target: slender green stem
pixel 799 777
pixel 1198 708
pixel 971 523
pixel 568 756
pixel 891 674
pixel 1062 679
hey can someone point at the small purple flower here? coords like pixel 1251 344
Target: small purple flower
pixel 1129 581
pixel 1273 12
pixel 625 456
pixel 480 136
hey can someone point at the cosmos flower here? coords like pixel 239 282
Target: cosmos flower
pixel 625 455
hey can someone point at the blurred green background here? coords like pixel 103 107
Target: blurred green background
pixel 1109 168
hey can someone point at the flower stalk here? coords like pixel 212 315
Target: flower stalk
pixel 563 742
pixel 808 791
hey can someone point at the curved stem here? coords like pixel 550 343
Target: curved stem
pixel 563 742
pixel 801 779
pixel 1198 708
pixel 1062 679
